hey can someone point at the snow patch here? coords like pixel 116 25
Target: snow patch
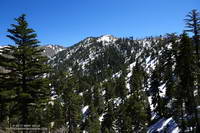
pixel 106 39
pixel 84 109
pixel 164 125
pixel 163 90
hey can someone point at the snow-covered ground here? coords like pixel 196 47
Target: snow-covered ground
pixel 106 39
pixel 164 125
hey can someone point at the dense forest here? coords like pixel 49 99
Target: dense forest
pixel 103 84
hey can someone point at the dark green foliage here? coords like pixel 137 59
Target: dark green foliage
pixel 94 100
pixel 92 122
pixel 107 63
pixel 66 88
pixel 185 71
pixel 120 88
pixel 109 88
pixel 137 103
pixel 108 118
pixel 55 114
pixel 24 82
pixel 124 119
pixel 193 24
pixel 155 91
pixel 98 99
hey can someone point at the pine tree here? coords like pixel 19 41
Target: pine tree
pixel 24 79
pixel 108 118
pixel 96 107
pixel 132 114
pixel 98 99
pixel 168 63
pixel 109 88
pixel 120 89
pixel 72 102
pixel 185 70
pixel 93 123
pixel 155 90
pixel 193 24
pixel 107 125
pixel 168 66
pixel 54 114
pixel 137 104
pixel 124 119
pixel 7 81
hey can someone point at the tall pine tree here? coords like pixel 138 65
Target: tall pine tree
pixel 193 24
pixel 185 72
pixel 24 80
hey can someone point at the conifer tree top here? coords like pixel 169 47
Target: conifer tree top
pixel 21 34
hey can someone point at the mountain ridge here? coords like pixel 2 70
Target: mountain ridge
pixel 109 59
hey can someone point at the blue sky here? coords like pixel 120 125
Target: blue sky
pixel 66 22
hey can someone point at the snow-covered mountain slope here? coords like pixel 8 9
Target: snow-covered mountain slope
pixel 48 50
pixel 95 55
pixel 107 57
pixel 106 39
pixel 2 47
pixel 51 50
pixel 111 52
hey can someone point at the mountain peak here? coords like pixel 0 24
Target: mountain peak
pixel 107 38
pixel 51 49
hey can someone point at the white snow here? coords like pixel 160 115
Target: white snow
pixel 195 92
pixel 101 117
pixel 150 102
pixel 168 125
pixel 117 101
pixel 84 109
pixel 2 47
pixel 81 94
pixel 130 69
pixel 106 39
pixel 116 75
pixel 163 90
pixel 50 46
pixel 176 130
pixel 103 92
pixel 164 124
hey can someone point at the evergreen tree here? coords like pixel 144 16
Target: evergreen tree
pixel 98 99
pixel 193 24
pixel 96 108
pixel 137 104
pixel 155 90
pixel 120 88
pixel 68 88
pixel 93 123
pixel 107 125
pixel 132 114
pixel 124 119
pixel 185 71
pixel 168 66
pixel 108 118
pixel 24 78
pixel 167 62
pixel 54 114
pixel 109 88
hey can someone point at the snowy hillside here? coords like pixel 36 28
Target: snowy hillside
pixel 96 56
pixel 51 50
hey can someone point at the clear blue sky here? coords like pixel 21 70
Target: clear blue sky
pixel 67 22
